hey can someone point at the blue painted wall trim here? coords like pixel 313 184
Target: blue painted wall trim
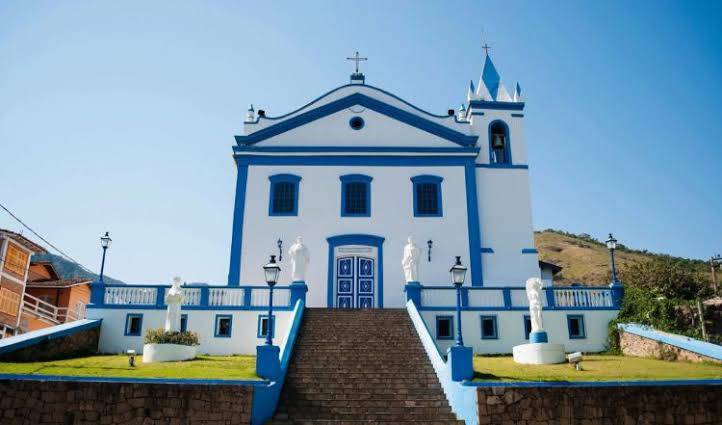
pixel 14 343
pixel 470 151
pixel 503 106
pixel 121 380
pixel 355 239
pixel 366 160
pixel 504 166
pixel 487 251
pixel 472 218
pixel 529 251
pixel 593 384
pixel 690 344
pixel 365 101
pixel 234 268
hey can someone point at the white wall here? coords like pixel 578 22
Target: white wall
pixel 243 338
pixel 510 329
pixel 319 217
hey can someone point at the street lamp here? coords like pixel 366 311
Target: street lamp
pixel 458 274
pixel 612 246
pixel 105 244
pixel 271 271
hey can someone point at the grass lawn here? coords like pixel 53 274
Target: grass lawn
pixel 203 367
pixel 596 368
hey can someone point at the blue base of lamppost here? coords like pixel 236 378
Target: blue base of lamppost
pixel 268 363
pixel 617 291
pixel 540 336
pixel 461 360
pixel 413 292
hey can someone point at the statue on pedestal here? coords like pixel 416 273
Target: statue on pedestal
pixel 300 256
pixel 410 261
pixel 174 300
pixel 533 293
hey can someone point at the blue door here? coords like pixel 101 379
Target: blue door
pixel 355 282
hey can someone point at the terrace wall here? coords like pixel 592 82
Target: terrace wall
pixel 608 403
pixel 58 342
pixel 109 403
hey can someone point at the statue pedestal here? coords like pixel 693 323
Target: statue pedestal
pixel 539 353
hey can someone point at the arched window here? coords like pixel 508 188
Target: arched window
pixel 499 147
pixel 427 196
pixel 355 195
pixel 284 195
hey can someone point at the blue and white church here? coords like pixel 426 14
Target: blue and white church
pixel 369 181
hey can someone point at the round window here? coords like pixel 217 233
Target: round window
pixel 357 123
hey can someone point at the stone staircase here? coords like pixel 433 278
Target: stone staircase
pixel 361 367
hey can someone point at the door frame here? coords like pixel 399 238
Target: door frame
pixel 355 239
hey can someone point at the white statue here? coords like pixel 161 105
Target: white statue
pixel 410 262
pixel 300 256
pixel 533 293
pixel 174 300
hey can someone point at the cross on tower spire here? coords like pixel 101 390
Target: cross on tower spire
pixel 486 48
pixel 357 59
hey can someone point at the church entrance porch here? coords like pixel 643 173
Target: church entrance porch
pixel 355 272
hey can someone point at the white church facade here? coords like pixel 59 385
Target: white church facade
pixel 355 173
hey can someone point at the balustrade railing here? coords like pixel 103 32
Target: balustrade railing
pixel 49 312
pixel 198 296
pixel 442 297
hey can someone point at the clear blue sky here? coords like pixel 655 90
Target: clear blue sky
pixel 120 116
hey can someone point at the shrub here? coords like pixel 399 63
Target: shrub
pixel 160 336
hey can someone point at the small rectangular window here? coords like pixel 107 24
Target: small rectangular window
pixel 133 324
pixel 284 197
pixel 263 326
pixel 356 198
pixel 427 199
pixel 575 323
pixel 527 326
pixel 224 324
pixel 444 327
pixel 184 323
pixel 488 327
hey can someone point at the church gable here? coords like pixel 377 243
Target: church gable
pixel 359 120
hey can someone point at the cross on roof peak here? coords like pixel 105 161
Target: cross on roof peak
pixel 356 58
pixel 486 48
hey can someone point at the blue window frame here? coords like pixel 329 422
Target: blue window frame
pixel 262 329
pixel 527 326
pixel 488 327
pixel 133 324
pixel 184 323
pixel 427 196
pixel 444 327
pixel 575 324
pixel 499 144
pixel 355 195
pixel 283 200
pixel 223 326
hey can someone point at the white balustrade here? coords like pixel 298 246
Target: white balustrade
pixel 191 296
pixel 128 295
pixel 225 297
pixel 583 297
pixel 259 297
pixel 438 297
pixel 486 297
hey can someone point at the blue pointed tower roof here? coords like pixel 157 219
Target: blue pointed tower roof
pixel 491 77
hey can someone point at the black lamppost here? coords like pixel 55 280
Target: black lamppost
pixel 458 274
pixel 612 246
pixel 271 271
pixel 104 243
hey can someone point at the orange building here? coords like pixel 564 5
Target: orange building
pixel 50 300
pixel 15 253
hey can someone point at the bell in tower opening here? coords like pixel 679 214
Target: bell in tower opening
pixel 499 149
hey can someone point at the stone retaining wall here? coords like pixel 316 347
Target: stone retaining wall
pixel 81 343
pixel 91 403
pixel 639 346
pixel 587 405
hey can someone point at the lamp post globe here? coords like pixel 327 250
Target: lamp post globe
pixel 105 242
pixel 458 275
pixel 271 272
